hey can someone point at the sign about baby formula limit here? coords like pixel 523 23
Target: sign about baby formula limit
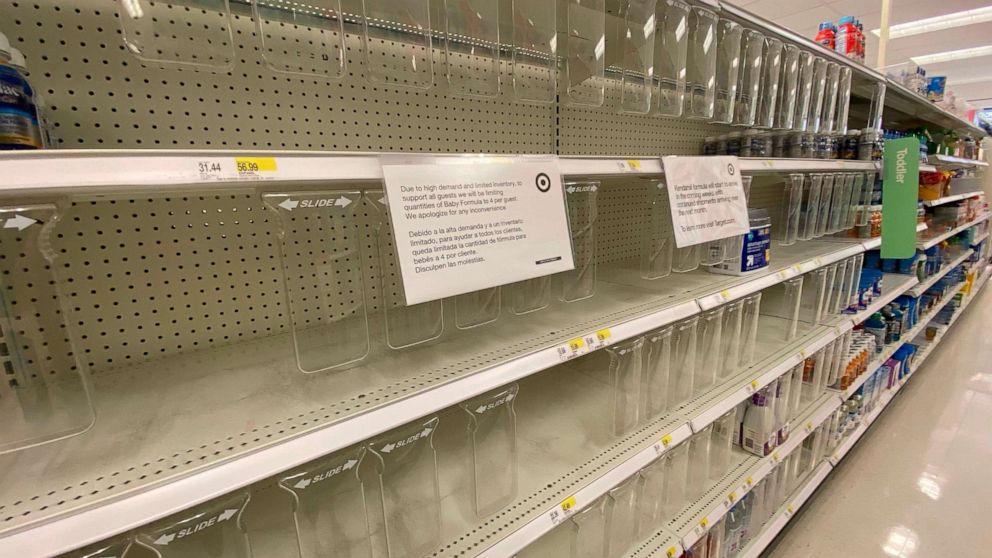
pixel 706 198
pixel 473 224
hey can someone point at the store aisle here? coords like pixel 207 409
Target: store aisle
pixel 917 483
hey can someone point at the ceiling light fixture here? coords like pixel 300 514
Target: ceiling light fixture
pixel 939 23
pixel 950 55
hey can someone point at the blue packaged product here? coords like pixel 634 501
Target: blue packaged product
pixel 755 247
pixel 907 266
pixel 18 115
pixel 935 88
pixel 872 260
pixel 890 265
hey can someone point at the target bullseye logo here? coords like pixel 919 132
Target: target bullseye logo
pixel 543 182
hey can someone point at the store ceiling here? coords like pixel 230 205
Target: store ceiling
pixel 970 79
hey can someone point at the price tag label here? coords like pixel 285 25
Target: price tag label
pixel 563 511
pixel 598 339
pixel 725 294
pixel 671 552
pixel 572 349
pixel 240 168
pixel 701 528
pixel 750 481
pixel 663 444
pixel 809 426
pixel 752 387
pixel 250 166
pixel 631 165
pixel 775 456
pixel 789 510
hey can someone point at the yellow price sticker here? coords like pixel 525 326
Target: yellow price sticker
pixel 603 334
pixel 704 522
pixel 775 456
pixel 789 509
pixel 754 384
pixel 576 344
pixel 671 552
pixel 666 439
pixel 255 164
pixel 732 497
pixel 749 481
pixel 725 294
pixel 568 504
pixel 634 164
pixel 809 426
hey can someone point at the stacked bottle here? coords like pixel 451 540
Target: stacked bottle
pixel 19 127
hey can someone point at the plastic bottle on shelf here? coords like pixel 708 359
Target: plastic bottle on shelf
pixel 875 325
pixel 899 318
pixel 758 432
pixel 861 42
pixel 19 64
pixel 18 115
pixel 889 324
pixel 826 35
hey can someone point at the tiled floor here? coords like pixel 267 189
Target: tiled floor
pixel 919 483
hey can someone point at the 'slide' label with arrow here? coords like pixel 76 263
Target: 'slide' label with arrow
pixel 314 479
pixel 166 538
pixel 482 408
pixel 393 446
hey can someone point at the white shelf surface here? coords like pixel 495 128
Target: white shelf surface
pixel 955 162
pixel 893 285
pixel 922 287
pixel 787 262
pixel 927 168
pixel 950 199
pixel 778 521
pixel 759 165
pixel 933 241
pixel 978 239
pixel 100 170
pixel 876 242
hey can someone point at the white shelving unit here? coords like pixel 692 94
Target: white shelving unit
pixel 935 240
pixel 215 401
pixel 947 161
pixel 950 199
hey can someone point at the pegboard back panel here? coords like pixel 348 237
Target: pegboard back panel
pixel 101 96
pixel 606 131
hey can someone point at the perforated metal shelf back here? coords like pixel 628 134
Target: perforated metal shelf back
pixel 100 96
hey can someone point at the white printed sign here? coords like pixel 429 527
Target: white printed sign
pixel 706 198
pixel 476 224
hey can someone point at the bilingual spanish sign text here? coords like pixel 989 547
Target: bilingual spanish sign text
pixel 470 225
pixel 706 197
